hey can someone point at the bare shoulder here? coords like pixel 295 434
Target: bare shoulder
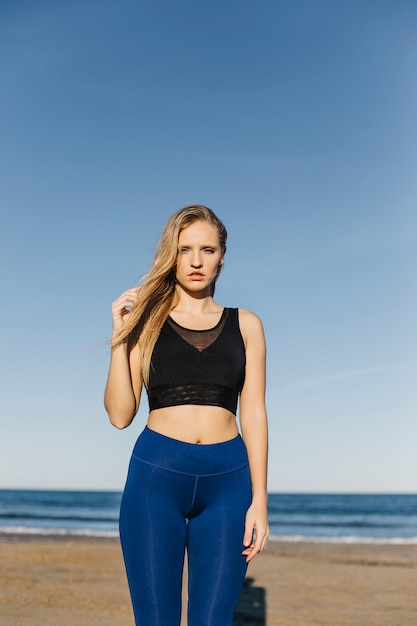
pixel 250 324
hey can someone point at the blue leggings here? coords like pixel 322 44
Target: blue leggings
pixel 183 496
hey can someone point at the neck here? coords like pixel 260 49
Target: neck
pixel 196 304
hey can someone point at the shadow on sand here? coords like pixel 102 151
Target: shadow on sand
pixel 251 608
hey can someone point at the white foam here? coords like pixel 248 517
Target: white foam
pixel 84 532
pixel 349 539
pixel 81 532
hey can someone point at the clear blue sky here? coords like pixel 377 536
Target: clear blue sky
pixel 295 121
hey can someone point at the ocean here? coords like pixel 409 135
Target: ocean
pixel 348 518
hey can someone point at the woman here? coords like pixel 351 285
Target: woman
pixel 193 483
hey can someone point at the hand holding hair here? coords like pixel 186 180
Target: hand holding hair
pixel 121 308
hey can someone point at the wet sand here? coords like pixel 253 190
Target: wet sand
pixel 81 582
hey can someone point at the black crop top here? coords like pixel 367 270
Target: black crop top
pixel 198 366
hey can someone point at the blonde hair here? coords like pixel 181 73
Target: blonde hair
pixel 157 295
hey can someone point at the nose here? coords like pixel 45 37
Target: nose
pixel 196 260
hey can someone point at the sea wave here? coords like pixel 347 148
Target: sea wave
pixel 22 531
pixel 51 532
pixel 60 515
pixel 345 539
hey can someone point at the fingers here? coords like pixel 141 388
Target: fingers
pixel 248 536
pixel 130 295
pixel 255 539
pixel 122 307
pixel 265 541
pixel 255 547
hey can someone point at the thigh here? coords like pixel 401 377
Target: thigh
pixel 215 542
pixel 153 536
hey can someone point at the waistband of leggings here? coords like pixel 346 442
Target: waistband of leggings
pixel 195 459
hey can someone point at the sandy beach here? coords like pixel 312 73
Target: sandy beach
pixel 81 582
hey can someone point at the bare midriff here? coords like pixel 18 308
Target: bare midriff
pixel 194 423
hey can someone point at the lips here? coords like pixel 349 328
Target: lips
pixel 196 275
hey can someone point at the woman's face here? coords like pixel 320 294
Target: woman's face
pixel 199 257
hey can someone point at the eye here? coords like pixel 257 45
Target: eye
pixel 209 250
pixel 183 250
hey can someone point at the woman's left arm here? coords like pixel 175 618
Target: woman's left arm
pixel 253 422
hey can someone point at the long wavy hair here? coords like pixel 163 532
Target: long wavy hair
pixel 157 295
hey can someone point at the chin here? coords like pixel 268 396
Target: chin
pixel 200 289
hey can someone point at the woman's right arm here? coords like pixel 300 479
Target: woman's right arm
pixel 124 382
